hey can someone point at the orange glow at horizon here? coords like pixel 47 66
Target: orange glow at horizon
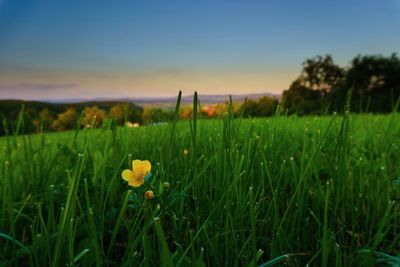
pixel 59 84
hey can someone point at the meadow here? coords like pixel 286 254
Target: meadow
pixel 277 191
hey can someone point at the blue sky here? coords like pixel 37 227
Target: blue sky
pixel 67 49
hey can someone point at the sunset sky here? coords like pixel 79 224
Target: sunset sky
pixel 90 48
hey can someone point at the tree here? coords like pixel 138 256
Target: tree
pixel 152 115
pixel 374 81
pixel 28 115
pixel 119 113
pixel 45 120
pixel 66 120
pixel 321 73
pixel 267 106
pixel 311 91
pixel 134 113
pixel 3 124
pixel 124 112
pixel 301 99
pixel 93 115
pixel 250 108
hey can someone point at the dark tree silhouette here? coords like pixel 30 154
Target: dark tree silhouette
pixel 321 73
pixel 301 100
pixel 265 106
pixel 375 84
pixel 308 93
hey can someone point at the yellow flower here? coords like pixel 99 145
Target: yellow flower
pixel 185 152
pixel 140 169
pixel 149 194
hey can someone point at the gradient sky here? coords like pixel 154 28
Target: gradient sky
pixel 51 49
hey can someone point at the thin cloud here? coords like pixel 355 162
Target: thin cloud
pixel 38 86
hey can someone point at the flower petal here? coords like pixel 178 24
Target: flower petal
pixel 136 163
pixel 137 179
pixel 127 175
pixel 146 165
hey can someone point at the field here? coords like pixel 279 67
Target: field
pixel 279 191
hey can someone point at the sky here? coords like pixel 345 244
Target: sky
pixel 61 49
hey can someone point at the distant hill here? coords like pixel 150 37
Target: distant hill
pixel 168 101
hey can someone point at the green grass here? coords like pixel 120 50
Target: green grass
pixel 251 192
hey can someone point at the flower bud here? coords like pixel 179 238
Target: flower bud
pixel 149 194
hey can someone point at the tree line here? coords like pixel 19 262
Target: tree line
pixel 45 117
pixel 371 83
pixel 40 116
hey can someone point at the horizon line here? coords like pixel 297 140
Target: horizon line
pixel 120 99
